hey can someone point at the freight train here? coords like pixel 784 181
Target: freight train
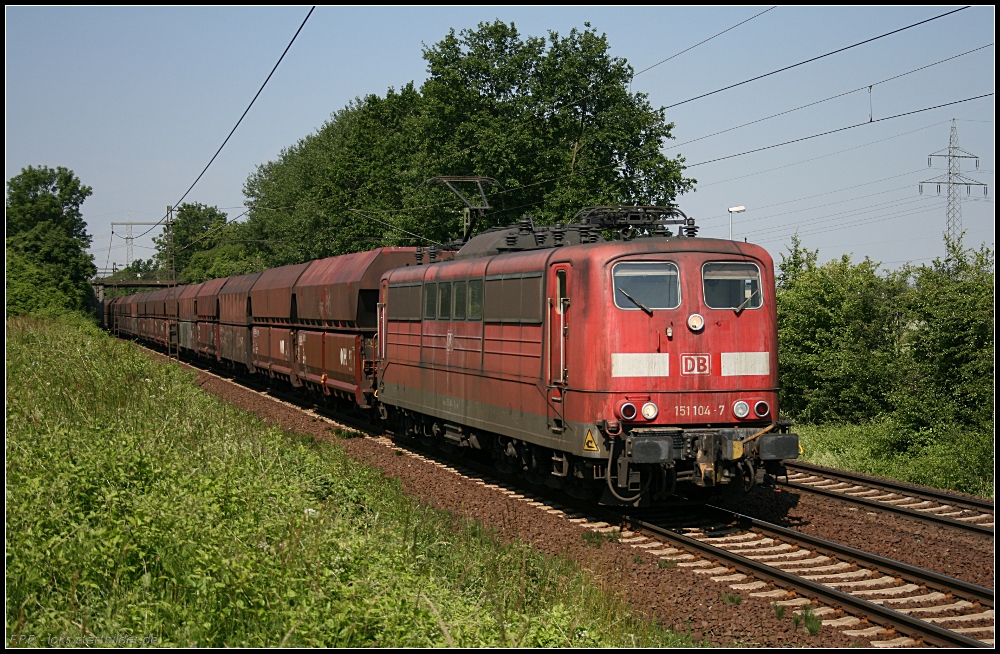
pixel 609 357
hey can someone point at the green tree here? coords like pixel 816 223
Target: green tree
pixel 799 260
pixel 47 233
pixel 550 118
pixel 31 287
pixel 224 260
pixel 839 327
pixel 949 341
pixel 195 228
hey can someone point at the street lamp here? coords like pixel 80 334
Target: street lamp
pixel 733 210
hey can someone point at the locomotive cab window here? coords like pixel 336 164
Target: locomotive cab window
pixel 649 284
pixel 732 286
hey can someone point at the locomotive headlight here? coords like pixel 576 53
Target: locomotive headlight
pixel 695 322
pixel 649 411
pixel 628 411
pixel 741 409
pixel 761 408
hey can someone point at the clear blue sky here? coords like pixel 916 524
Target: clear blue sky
pixel 136 101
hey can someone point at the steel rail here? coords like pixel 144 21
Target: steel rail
pixel 938 495
pixel 912 573
pixel 943 497
pixel 877 613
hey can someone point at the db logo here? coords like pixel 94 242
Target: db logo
pixel 695 364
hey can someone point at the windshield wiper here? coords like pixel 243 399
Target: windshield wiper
pixel 739 309
pixel 637 302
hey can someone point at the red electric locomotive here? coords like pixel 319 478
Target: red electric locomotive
pixel 624 370
pixel 634 364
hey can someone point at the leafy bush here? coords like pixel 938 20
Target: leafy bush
pixel 949 342
pixel 952 457
pixel 32 288
pixel 838 331
pixel 893 371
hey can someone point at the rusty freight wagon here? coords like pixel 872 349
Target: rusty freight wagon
pixel 310 325
pixel 623 370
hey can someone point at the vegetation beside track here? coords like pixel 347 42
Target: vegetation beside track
pixel 892 373
pixel 139 505
pixel 941 457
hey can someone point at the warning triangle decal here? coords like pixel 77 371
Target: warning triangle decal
pixel 590 445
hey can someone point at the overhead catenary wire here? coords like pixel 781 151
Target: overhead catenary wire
pixel 809 197
pixel 812 59
pixel 864 221
pixel 840 129
pixel 214 229
pixel 824 156
pixel 596 168
pixel 839 215
pixel 832 97
pixel 704 41
pixel 108 262
pixel 233 130
pixel 758 77
pixel 821 223
pixel 794 230
pixel 813 208
pixel 396 227
pixel 616 163
pixel 581 171
pixel 674 56
pixel 760 172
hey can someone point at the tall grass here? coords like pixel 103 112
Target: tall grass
pixel 956 458
pixel 139 505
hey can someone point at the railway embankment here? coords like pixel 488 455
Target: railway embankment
pixel 670 592
pixel 141 507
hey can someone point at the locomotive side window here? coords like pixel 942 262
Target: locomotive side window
pixel 475 299
pixel 649 284
pixel 732 286
pixel 430 301
pixel 531 299
pixel 444 301
pixel 514 298
pixel 404 301
pixel 461 298
pixel 492 300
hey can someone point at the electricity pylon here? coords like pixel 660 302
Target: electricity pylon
pixel 953 179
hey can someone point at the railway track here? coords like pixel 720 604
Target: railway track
pixel 902 605
pixel 927 504
pixel 888 603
